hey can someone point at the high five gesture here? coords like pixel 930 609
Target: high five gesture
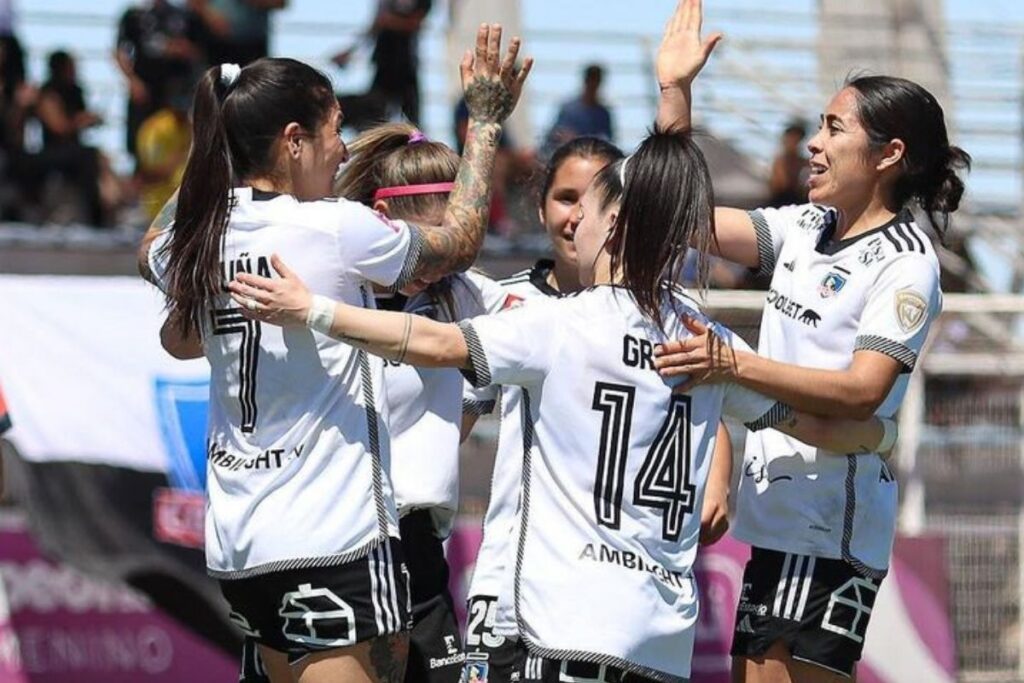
pixel 681 56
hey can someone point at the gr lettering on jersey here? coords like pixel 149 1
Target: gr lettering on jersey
pixel 638 353
pixel 631 560
pixel 243 264
pixel 272 458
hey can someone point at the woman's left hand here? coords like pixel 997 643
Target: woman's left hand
pixel 279 301
pixel 705 357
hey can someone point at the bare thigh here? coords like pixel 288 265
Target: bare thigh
pixel 777 666
pixel 276 665
pixel 380 660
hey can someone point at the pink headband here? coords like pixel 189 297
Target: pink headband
pixel 405 190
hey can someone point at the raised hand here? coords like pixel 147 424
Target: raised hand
pixel 682 53
pixel 492 89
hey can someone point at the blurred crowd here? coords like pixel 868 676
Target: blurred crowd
pixel 51 175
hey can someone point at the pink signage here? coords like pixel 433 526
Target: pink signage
pixel 64 626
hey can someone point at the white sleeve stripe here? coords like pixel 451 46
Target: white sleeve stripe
pixel 478 374
pixel 776 414
pixel 765 248
pixel 893 349
pixel 412 259
pixel 477 407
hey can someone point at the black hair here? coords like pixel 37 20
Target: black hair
pixel 234 128
pixel 593 71
pixel 585 147
pixel 890 108
pixel 58 60
pixel 666 203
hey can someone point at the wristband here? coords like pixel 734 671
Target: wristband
pixel 889 433
pixel 320 316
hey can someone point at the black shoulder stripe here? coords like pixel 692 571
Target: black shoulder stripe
pixel 888 235
pixel 903 235
pixel 841 270
pixel 915 232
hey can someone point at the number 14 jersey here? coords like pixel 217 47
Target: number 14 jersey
pixel 614 467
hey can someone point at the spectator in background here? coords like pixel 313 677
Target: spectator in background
pixel 788 181
pixel 237 31
pixel 157 43
pixel 585 115
pixel 162 147
pixel 395 32
pixel 16 101
pixel 13 73
pixel 62 114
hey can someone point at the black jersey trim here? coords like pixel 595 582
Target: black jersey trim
pixel 849 513
pixel 373 435
pixel 829 247
pixel 478 374
pixel 765 248
pixel 412 258
pixel 539 277
pixel 895 350
pixel 599 659
pixel 776 414
pixel 297 563
pixel 477 407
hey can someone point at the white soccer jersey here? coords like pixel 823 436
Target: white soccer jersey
pixel 614 467
pixel 877 291
pixel 297 450
pixel 492 573
pixel 425 408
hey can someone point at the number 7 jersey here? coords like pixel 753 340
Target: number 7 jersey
pixel 297 445
pixel 614 467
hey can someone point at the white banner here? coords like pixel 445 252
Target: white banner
pixel 86 379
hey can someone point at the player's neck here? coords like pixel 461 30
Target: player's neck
pixel 860 218
pixel 564 277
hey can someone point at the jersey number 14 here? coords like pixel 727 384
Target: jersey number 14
pixel 664 479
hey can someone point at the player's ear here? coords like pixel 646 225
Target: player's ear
pixel 381 206
pixel 892 154
pixel 293 134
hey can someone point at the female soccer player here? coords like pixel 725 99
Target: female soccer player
pixel 302 528
pixel 491 628
pixel 615 462
pixel 403 175
pixel 854 290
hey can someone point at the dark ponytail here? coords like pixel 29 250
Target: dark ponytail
pixel 666 204
pixel 891 108
pixel 235 124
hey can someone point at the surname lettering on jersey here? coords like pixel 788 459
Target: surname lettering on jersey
pixel 631 560
pixel 637 353
pixel 244 264
pixel 272 458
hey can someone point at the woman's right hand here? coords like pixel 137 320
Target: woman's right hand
pixel 682 53
pixel 492 90
pixel 280 301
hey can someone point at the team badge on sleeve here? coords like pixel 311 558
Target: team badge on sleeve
pixel 831 285
pixel 910 309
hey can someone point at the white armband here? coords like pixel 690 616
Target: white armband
pixel 320 317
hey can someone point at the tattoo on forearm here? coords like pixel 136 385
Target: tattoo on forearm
pixel 489 101
pixel 454 245
pixel 387 657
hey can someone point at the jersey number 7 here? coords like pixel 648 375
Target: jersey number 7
pixel 663 481
pixel 231 321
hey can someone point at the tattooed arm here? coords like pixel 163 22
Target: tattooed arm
pixel 491 95
pixel 162 221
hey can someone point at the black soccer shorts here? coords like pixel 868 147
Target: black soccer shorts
pixel 435 647
pixel 301 611
pixel 490 658
pixel 818 607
